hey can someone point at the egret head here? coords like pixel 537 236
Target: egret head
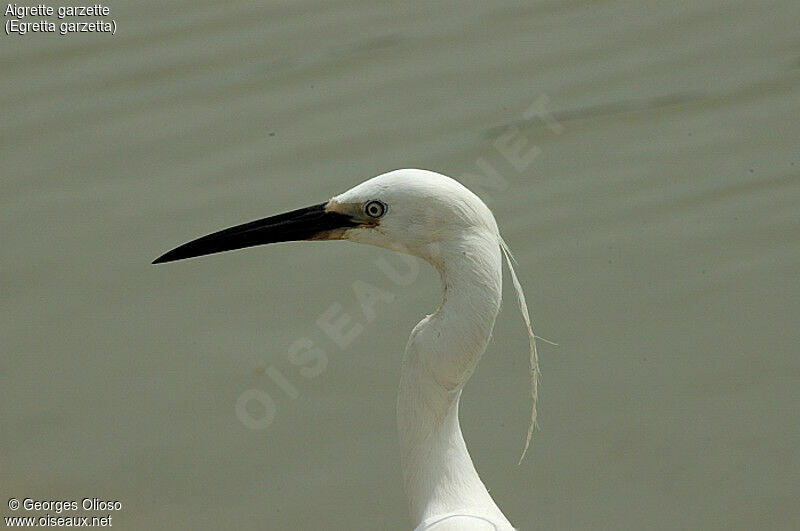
pixel 413 211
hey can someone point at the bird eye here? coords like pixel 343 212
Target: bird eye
pixel 375 209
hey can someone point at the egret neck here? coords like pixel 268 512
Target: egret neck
pixel 441 355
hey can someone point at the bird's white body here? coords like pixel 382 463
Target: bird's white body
pixel 433 217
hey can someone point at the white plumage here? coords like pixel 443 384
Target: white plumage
pixel 435 218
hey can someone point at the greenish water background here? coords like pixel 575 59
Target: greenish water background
pixel 656 231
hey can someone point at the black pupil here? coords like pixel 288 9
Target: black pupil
pixel 374 209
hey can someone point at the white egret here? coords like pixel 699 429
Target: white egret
pixel 435 218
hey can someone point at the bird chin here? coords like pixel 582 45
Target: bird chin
pixel 375 237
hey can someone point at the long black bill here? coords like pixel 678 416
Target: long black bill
pixel 310 223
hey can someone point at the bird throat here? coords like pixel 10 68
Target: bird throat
pixel 441 355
